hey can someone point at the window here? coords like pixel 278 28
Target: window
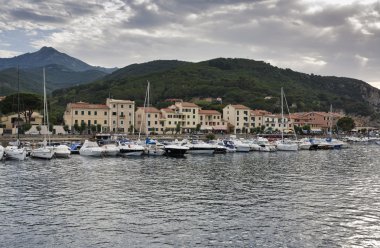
pixel 122 106
pixel 95 112
pixel 121 114
pixel 193 116
pixel 155 115
pixel 193 122
pixel 82 112
pixel 113 113
pixel 148 115
pixel 105 113
pixel 95 122
pixel 130 106
pixel 114 106
pixel 89 122
pixel 237 118
pixel 105 121
pixel 76 112
pixel 76 121
pixel 193 111
pixel 170 122
pixel 121 122
pixel 237 112
pixel 114 122
pixel 155 122
pixel 129 114
pixel 148 123
pixel 89 112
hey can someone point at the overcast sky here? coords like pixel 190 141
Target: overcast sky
pixel 326 37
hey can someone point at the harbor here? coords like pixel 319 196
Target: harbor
pixel 300 199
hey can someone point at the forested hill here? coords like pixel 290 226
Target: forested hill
pixel 242 81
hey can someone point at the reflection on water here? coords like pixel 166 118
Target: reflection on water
pixel 298 199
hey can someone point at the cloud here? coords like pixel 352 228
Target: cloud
pixel 325 37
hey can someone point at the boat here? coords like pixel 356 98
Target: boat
pixel 15 150
pixel 229 145
pixel 175 150
pixel 284 145
pixel 307 144
pixel 153 148
pixel 75 147
pixel 265 145
pixel 198 147
pixel 1 152
pixel 43 151
pixel 129 148
pixel 91 148
pixel 61 151
pixel 241 146
pixel 110 149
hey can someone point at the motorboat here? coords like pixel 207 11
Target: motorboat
pixel 1 152
pixel 15 152
pixel 175 150
pixel 229 145
pixel 241 146
pixel 110 149
pixel 75 147
pixel 61 151
pixel 91 148
pixel 153 148
pixel 265 145
pixel 129 148
pixel 198 147
pixel 283 145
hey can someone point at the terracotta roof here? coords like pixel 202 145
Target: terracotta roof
pixel 259 112
pixel 150 109
pixel 209 112
pixel 187 104
pixel 168 110
pixel 85 105
pixel 239 106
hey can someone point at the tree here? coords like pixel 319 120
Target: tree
pixel 306 128
pixel 130 129
pixel 98 128
pixel 28 104
pixel 198 128
pixel 93 128
pixel 346 124
pixel 38 129
pixel 178 128
pixel 210 136
pixel 66 128
pixel 76 127
pixel 82 127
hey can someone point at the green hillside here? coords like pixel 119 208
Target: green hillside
pixel 235 80
pixel 57 77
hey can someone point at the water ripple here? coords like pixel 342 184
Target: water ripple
pixel 303 199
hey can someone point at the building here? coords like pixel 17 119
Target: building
pixel 114 116
pixel 9 123
pixel 170 119
pixel 211 120
pixel 189 115
pixel 122 115
pixel 318 121
pixel 238 116
pixel 147 120
pixel 83 113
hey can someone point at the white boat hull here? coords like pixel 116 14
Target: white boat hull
pixel 287 147
pixel 44 153
pixel 15 153
pixel 201 151
pixel 1 152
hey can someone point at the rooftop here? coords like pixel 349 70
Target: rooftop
pixel 209 112
pixel 85 105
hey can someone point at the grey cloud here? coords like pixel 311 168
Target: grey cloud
pixel 30 15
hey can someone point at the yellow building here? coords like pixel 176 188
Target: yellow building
pixel 148 120
pixel 238 116
pixel 170 118
pixel 9 123
pixel 122 115
pixel 189 114
pixel 85 113
pixel 211 120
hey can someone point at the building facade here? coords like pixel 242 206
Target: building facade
pixel 238 116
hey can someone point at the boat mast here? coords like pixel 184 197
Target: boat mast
pixel 144 109
pixel 282 114
pixel 18 105
pixel 331 121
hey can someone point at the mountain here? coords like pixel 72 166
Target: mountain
pixel 47 56
pixel 57 77
pixel 62 71
pixel 241 81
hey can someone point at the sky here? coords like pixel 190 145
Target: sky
pixel 324 37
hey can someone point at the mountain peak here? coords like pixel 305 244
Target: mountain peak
pixel 46 49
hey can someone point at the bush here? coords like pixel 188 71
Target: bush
pixel 210 136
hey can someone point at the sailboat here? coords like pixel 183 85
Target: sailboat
pixel 152 147
pixel 282 145
pixel 1 152
pixel 14 150
pixel 43 151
